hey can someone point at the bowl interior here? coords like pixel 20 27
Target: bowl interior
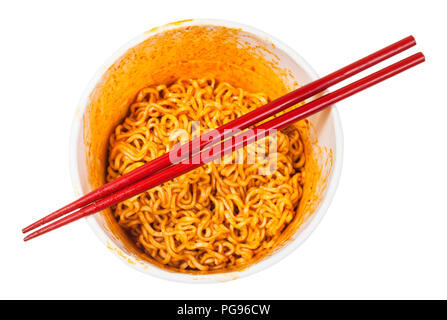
pixel 196 50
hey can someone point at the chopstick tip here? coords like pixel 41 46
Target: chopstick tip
pixel 422 56
pixel 411 40
pixel 29 237
pixel 33 226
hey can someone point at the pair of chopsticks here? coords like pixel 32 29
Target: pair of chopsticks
pixel 161 169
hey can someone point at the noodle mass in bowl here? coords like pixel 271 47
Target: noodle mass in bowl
pixel 218 216
pixel 214 58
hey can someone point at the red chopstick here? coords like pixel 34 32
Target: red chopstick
pixel 223 149
pixel 241 123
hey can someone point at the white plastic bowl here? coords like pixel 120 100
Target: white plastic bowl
pixel 328 131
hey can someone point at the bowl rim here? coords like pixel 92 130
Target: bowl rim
pixel 218 277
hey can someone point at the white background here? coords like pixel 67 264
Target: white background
pixel 385 234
